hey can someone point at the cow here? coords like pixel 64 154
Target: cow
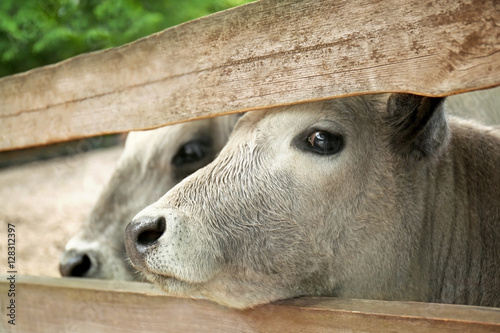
pixel 85 253
pixel 376 196
pixel 152 162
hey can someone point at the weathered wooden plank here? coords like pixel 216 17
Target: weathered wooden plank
pixel 264 54
pixel 74 305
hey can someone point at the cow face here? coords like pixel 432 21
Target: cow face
pixel 310 199
pixel 152 163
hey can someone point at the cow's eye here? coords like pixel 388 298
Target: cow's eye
pixel 191 152
pixel 325 143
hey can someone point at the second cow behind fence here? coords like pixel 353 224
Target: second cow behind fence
pixel 152 163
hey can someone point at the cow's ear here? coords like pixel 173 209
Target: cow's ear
pixel 417 125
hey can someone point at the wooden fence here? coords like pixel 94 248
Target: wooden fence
pixel 264 54
pixel 261 55
pixel 73 305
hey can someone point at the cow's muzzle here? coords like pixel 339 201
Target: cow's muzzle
pixel 141 235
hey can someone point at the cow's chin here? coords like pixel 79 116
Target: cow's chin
pixel 173 286
pixel 229 296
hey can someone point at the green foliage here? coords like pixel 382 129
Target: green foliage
pixel 34 33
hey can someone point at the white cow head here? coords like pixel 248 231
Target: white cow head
pixel 321 198
pixel 152 163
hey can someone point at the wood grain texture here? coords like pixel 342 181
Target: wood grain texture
pixel 264 54
pixel 84 305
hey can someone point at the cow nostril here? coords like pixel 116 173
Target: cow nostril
pixel 82 268
pixel 148 237
pixel 153 233
pixel 140 234
pixel 76 266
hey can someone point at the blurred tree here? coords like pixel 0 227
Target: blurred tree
pixel 34 33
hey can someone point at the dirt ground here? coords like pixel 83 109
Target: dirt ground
pixel 47 201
